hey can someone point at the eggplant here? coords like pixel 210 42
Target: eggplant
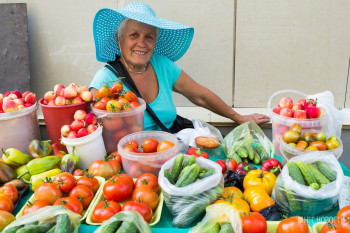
pixel 6 173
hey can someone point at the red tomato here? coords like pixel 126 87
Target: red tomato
pixel 135 169
pixel 197 152
pixel 100 105
pixel 150 145
pixel 293 224
pixel 89 181
pixel 222 164
pixel 142 208
pixel 336 226
pixel 37 204
pixel 133 143
pixel 145 195
pixel 344 212
pixel 134 104
pixel 11 191
pixel 6 203
pixel 71 203
pixel 103 91
pixel 105 100
pixel 5 219
pixel 48 192
pixel 65 181
pixel 254 223
pixel 117 189
pixel 115 156
pixel 79 172
pixel 117 88
pixel 84 195
pixel 104 210
pixel 104 169
pixel 129 95
pixel 122 100
pixel 125 176
pixel 149 180
pixel 164 145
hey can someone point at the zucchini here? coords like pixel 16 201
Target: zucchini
pixel 250 150
pixel 326 170
pixel 262 152
pixel 191 212
pixel 64 224
pixel 295 173
pixel 111 227
pixel 235 157
pixel 226 228
pixel 176 168
pixel 206 174
pixel 169 177
pixel 188 175
pixel 126 227
pixel 242 152
pixel 43 228
pixel 307 174
pixel 214 229
pixel 320 178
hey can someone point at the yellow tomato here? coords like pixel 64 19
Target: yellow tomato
pixel 260 178
pixel 113 106
pixel 231 192
pixel 257 198
pixel 239 204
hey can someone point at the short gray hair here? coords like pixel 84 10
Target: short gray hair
pixel 122 26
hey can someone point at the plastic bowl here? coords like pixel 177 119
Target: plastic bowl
pixel 289 152
pixel 135 164
pixel 116 125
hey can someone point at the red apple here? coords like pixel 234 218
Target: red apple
pixel 91 128
pixel 286 102
pixel 76 125
pixel 51 103
pixel 287 112
pixel 60 101
pixel 13 96
pixel 277 110
pixel 50 95
pixel 90 118
pixel 1 107
pixel 68 101
pixel 30 98
pixel 57 86
pixel 27 105
pixel 82 132
pixel 9 106
pixel 69 92
pixel 313 112
pixel 86 96
pixel 297 106
pixel 25 93
pixel 84 88
pixel 59 91
pixel 19 94
pixel 301 114
pixel 302 101
pixel 19 101
pixel 77 88
pixel 79 115
pixel 72 134
pixel 1 97
pixel 6 98
pixel 65 130
pixel 77 100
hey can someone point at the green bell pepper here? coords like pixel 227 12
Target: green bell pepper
pixel 39 165
pixel 15 157
pixel 39 149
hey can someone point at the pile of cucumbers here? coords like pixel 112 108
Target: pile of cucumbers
pixel 62 224
pixel 250 154
pixel 221 228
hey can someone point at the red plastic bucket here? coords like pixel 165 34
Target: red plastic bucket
pixel 57 116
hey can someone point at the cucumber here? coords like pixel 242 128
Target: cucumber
pixel 242 152
pixel 262 152
pixel 206 174
pixel 235 157
pixel 245 160
pixel 64 224
pixel 326 170
pixel 226 228
pixel 189 161
pixel 52 230
pixel 320 178
pixel 176 168
pixel 127 227
pixel 13 229
pixel 257 159
pixel 250 150
pixel 43 228
pixel 111 227
pixel 188 175
pixel 307 174
pixel 169 177
pixel 191 212
pixel 295 173
pixel 214 229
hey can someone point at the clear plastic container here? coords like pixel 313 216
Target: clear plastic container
pixel 281 124
pixel 19 128
pixel 88 148
pixel 135 164
pixel 116 125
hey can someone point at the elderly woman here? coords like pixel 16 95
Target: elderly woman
pixel 138 44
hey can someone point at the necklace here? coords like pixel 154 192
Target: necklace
pixel 135 72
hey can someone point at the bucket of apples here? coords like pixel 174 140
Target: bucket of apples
pixel 83 137
pixel 59 106
pixel 18 112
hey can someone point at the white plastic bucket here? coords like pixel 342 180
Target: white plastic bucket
pixel 19 128
pixel 88 148
pixel 281 124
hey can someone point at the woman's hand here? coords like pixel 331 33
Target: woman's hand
pixel 258 118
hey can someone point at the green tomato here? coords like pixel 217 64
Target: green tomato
pixel 332 138
pixel 292 144
pixel 321 137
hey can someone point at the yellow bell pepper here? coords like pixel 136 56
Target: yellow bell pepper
pixel 264 179
pixel 38 179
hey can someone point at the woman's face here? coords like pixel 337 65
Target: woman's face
pixel 137 43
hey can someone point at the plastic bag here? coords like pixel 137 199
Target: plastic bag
pixel 187 203
pixel 219 213
pixel 47 214
pixel 245 134
pixel 296 199
pixel 335 117
pixel 127 216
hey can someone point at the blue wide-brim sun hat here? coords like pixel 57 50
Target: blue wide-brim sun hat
pixel 173 41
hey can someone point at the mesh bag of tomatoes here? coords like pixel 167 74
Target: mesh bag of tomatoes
pixel 47 219
pixel 125 221
pixel 309 184
pixel 193 184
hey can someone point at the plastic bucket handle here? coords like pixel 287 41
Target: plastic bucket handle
pixel 281 92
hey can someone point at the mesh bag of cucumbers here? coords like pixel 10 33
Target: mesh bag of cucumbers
pixel 125 222
pixel 49 219
pixel 248 143
pixel 189 185
pixel 309 184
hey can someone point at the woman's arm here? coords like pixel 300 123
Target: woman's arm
pixel 93 91
pixel 203 97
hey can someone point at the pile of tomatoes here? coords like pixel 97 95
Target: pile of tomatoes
pixel 121 193
pixel 115 99
pixel 149 145
pixel 74 194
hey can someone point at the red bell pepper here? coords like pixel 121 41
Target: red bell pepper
pixel 197 152
pixel 244 168
pixel 272 165
pixel 222 164
pixel 231 164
